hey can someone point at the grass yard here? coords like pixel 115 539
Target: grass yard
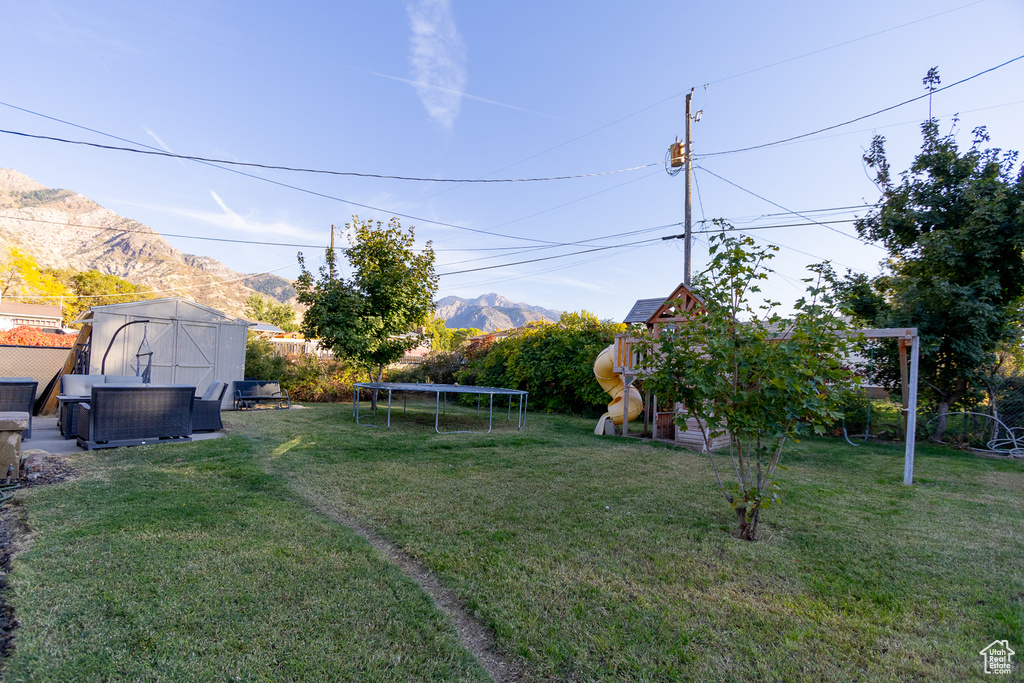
pixel 587 558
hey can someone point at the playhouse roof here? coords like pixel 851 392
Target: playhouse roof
pixel 664 310
pixel 643 309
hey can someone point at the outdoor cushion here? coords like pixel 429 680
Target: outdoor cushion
pixel 79 385
pixel 215 391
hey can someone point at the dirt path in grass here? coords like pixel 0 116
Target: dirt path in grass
pixel 472 634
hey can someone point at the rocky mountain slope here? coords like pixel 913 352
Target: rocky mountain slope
pixel 490 312
pixel 62 229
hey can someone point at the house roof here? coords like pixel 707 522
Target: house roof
pixel 264 327
pixel 33 310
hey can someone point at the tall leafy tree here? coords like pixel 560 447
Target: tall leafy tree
pixel 954 227
pixel 390 291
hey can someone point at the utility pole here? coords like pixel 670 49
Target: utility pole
pixel 332 250
pixel 688 161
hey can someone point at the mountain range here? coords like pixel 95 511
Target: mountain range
pixel 63 229
pixel 490 312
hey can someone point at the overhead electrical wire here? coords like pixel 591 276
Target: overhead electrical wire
pixel 290 186
pixel 150 291
pixel 271 167
pixel 548 258
pixel 164 234
pixel 859 118
pixel 785 246
pixel 726 78
pixel 750 192
pixel 579 243
pixel 845 42
pixel 565 266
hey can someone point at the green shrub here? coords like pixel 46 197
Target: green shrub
pixel 323 380
pixel 261 359
pixel 306 378
pixel 554 362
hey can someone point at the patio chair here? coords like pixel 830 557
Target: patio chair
pixel 19 394
pixel 206 414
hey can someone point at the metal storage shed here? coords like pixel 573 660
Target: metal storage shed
pixel 191 343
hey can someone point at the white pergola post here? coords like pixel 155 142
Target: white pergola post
pixel 908 458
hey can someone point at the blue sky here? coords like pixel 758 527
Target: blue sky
pixel 450 89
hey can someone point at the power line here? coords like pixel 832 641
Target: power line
pixel 784 225
pixel 859 118
pixel 566 266
pixel 548 258
pixel 162 234
pixel 840 232
pixel 271 167
pixel 726 78
pixel 581 242
pixel 785 246
pixel 151 291
pixel 292 187
pixel 845 42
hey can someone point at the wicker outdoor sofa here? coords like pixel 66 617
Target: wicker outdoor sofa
pixel 135 414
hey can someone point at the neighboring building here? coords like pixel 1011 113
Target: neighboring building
pixel 294 344
pixel 416 354
pixel 34 315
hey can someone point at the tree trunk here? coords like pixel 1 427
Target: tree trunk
pixel 748 528
pixel 373 394
pixel 940 423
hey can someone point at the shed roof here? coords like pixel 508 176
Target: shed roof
pixel 169 307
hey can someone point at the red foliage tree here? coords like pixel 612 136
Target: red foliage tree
pixel 23 335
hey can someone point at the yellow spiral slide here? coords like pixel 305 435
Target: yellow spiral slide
pixel 613 385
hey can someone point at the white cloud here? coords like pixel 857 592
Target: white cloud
pixel 438 59
pixel 227 219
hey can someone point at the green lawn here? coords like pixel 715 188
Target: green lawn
pixel 588 558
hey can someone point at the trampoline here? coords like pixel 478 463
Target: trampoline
pixel 441 392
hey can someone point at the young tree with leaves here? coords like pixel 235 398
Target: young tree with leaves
pixel 745 371
pixel 21 276
pixel 390 292
pixel 268 311
pixel 954 229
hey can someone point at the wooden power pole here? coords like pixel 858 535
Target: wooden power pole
pixel 688 154
pixel 332 250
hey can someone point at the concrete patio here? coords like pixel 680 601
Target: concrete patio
pixel 46 438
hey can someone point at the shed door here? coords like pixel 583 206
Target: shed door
pixel 195 353
pixel 160 333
